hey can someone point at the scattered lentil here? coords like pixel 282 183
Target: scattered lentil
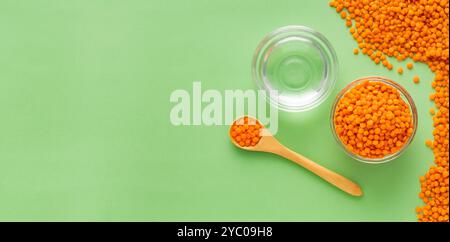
pixel 418 30
pixel 432 112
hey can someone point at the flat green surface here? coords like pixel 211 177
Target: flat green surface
pixel 84 117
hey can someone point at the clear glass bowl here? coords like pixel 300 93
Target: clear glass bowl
pixel 405 96
pixel 297 62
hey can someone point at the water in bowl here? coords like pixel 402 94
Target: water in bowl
pixel 295 67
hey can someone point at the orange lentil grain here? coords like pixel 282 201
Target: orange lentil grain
pixel 432 112
pixel 409 65
pixel 348 23
pixel 400 70
pixel 416 79
pixel 356 51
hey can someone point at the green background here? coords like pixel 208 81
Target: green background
pixel 84 117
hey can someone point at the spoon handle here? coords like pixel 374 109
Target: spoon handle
pixel 332 177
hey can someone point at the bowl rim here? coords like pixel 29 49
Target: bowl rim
pixel 403 93
pixel 331 60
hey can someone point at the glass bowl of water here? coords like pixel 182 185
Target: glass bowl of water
pixel 297 66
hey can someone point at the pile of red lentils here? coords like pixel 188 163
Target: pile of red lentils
pixel 372 120
pixel 246 131
pixel 416 30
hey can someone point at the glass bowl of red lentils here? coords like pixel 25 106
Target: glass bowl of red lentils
pixel 374 119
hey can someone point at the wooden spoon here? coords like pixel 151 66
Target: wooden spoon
pixel 270 144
